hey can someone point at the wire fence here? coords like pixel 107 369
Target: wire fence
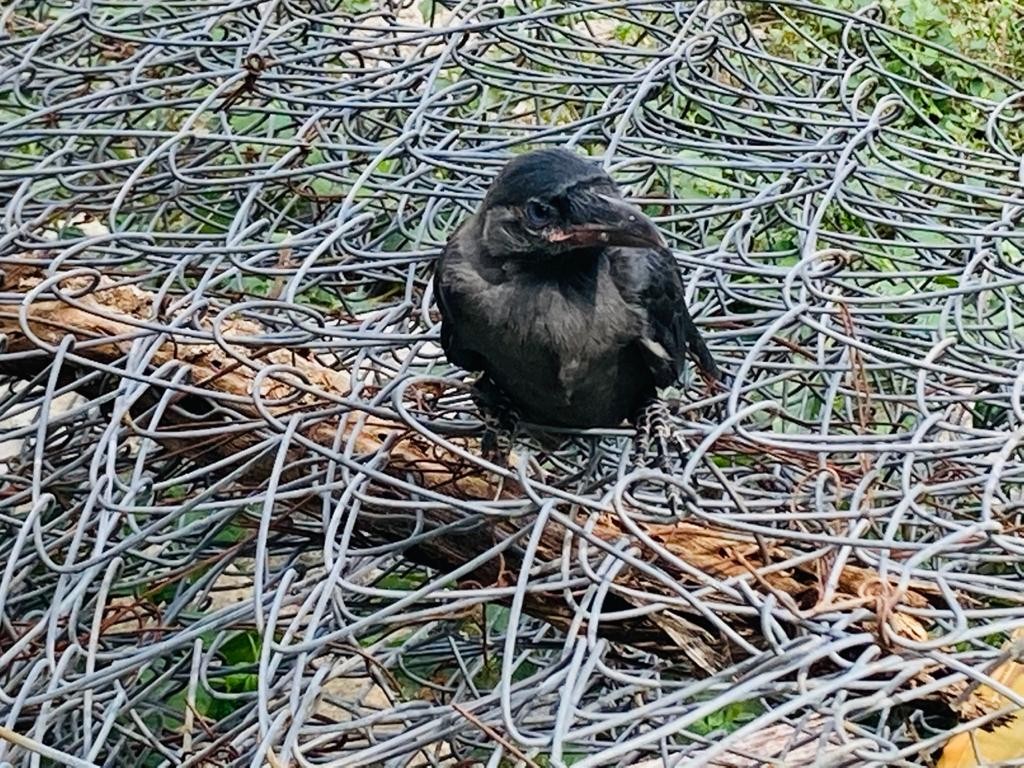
pixel 191 575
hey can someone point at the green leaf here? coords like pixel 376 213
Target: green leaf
pixel 728 718
pixel 176 492
pixel 241 682
pixel 320 297
pixel 1011 252
pixel 254 285
pixel 929 237
pixel 697 178
pixel 358 6
pixel 324 187
pixel 406 581
pixel 231 534
pixel 497 618
pixel 243 648
pixel 624 30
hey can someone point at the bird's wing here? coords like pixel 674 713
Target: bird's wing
pixel 670 334
pixel 448 304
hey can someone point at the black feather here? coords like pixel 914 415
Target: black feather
pixel 451 317
pixel 669 324
pixel 544 173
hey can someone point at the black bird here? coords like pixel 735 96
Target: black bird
pixel 565 297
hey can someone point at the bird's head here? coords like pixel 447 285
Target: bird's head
pixel 552 202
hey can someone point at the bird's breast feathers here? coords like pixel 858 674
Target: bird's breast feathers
pixel 567 319
pixel 563 333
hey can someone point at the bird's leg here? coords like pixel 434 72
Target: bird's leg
pixel 497 440
pixel 660 445
pixel 654 430
pixel 500 419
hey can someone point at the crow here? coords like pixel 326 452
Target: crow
pixel 565 298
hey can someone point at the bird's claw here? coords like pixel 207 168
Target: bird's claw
pixel 661 446
pixel 496 442
pixel 500 418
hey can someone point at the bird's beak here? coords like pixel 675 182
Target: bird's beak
pixel 610 222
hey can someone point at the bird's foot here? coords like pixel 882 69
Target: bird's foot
pixel 657 440
pixel 497 441
pixel 500 419
pixel 660 445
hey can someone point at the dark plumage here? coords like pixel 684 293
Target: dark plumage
pixel 565 296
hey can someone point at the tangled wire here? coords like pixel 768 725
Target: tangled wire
pixel 243 519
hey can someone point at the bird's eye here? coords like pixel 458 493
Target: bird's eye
pixel 539 214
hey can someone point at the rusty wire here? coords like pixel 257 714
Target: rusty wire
pixel 854 261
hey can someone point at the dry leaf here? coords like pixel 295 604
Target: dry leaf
pixel 1004 743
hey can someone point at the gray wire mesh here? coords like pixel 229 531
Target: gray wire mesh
pixel 853 257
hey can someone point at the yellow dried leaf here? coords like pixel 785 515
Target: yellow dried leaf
pixel 978 748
